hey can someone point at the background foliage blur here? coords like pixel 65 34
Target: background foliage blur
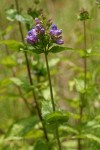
pixel 66 69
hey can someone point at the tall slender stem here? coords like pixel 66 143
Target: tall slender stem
pixel 52 99
pixel 50 84
pixel 85 82
pixel 30 79
pixel 85 59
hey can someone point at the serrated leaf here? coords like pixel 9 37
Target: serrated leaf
pixel 57 49
pixel 16 81
pixel 56 117
pixel 12 44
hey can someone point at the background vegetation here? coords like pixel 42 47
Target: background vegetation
pixel 20 128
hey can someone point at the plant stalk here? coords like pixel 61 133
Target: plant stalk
pixel 85 81
pixel 30 79
pixel 85 58
pixel 52 99
pixel 50 84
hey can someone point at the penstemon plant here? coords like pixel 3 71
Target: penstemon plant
pixel 42 37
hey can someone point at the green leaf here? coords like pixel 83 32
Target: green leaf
pixel 12 44
pixel 16 81
pixel 57 49
pixel 19 18
pixel 79 83
pixel 46 107
pixel 41 145
pixel 24 128
pixel 28 19
pixel 67 129
pixel 56 117
pixel 9 61
pixel 7 30
pixel 33 49
pixel 53 62
pixel 11 14
pixel 90 137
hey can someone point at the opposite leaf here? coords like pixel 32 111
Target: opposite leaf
pixel 57 49
pixel 56 117
pixel 12 44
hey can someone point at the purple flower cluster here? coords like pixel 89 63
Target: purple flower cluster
pixel 40 29
pixel 32 37
pixel 56 34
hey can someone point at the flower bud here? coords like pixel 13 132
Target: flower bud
pixel 59 41
pixel 83 15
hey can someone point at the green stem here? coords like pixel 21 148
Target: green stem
pixel 85 83
pixel 85 59
pixel 30 79
pixel 52 99
pixel 50 84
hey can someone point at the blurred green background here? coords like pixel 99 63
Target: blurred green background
pixel 64 13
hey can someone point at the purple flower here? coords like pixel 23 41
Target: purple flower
pixel 55 34
pixel 53 27
pixel 44 31
pixel 32 37
pixel 37 21
pixel 40 29
pixel 59 41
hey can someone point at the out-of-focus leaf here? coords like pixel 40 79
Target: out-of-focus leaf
pixel 4 82
pixel 28 19
pixel 8 29
pixel 67 129
pixel 57 49
pixel 32 49
pixel 9 61
pixel 12 44
pixel 16 81
pixel 19 18
pixel 23 127
pixel 90 137
pixel 34 133
pixel 46 107
pixel 56 117
pixel 79 83
pixel 53 62
pixel 41 145
pixel 11 14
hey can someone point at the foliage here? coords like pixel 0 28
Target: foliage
pixel 50 94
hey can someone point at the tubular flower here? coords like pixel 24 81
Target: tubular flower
pixel 44 31
pixel 55 34
pixel 32 37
